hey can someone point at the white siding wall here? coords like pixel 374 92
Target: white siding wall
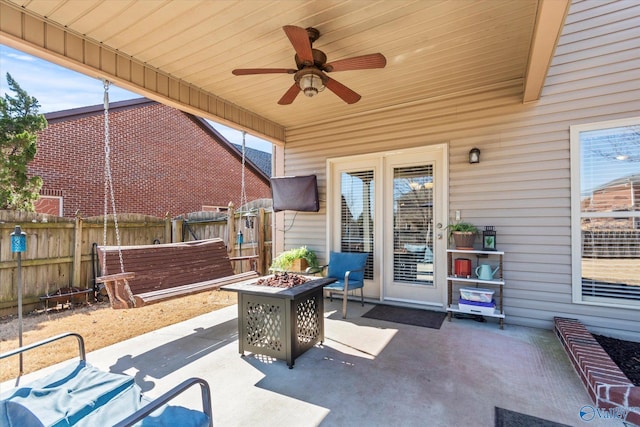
pixel 522 185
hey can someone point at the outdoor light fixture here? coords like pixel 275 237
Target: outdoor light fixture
pixel 310 81
pixel 474 155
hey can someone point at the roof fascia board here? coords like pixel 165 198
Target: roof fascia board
pixel 91 110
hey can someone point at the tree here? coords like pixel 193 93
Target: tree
pixel 19 123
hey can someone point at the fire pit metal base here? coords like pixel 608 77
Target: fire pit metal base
pixel 277 322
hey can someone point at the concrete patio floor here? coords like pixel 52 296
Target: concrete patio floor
pixel 366 373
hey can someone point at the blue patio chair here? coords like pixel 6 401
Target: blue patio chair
pixel 348 268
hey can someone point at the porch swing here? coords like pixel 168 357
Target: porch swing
pixel 159 272
pixel 81 394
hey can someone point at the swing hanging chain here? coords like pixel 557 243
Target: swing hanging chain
pixel 108 183
pixel 106 169
pixel 243 192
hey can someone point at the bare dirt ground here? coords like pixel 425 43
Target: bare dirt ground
pixel 98 324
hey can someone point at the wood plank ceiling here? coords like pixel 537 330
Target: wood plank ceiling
pixel 434 48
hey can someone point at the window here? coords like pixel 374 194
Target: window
pixel 356 215
pixel 606 212
pixel 412 224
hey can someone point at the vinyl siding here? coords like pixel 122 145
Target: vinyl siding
pixel 522 185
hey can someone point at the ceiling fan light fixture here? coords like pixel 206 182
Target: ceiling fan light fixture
pixel 310 81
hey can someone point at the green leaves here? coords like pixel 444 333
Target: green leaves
pixel 19 124
pixel 463 227
pixel 285 259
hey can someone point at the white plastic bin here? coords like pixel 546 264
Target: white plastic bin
pixel 476 294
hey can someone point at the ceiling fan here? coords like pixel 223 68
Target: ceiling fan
pixel 310 76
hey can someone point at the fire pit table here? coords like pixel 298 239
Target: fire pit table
pixel 280 322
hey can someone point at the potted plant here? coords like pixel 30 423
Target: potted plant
pixel 297 259
pixel 464 234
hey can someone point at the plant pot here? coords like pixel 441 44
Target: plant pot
pixel 299 265
pixel 464 239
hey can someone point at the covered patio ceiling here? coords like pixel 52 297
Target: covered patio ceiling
pixel 182 53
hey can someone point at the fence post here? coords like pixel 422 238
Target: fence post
pixel 177 230
pixel 77 251
pixel 167 229
pixel 262 258
pixel 231 230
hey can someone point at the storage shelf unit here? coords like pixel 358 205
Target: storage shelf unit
pixel 453 280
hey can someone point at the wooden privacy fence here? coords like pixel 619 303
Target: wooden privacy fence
pixel 611 243
pixel 59 250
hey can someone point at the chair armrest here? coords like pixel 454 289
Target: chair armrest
pixel 168 396
pixel 315 270
pixel 25 348
pixel 348 272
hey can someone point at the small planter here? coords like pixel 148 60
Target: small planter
pixel 295 260
pixel 464 235
pixel 464 239
pixel 299 265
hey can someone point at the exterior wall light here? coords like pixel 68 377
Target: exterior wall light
pixel 474 155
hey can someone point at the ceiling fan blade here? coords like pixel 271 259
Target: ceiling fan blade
pixel 299 38
pixel 346 94
pixel 364 62
pixel 289 95
pixel 247 71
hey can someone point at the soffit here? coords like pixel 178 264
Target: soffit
pixel 434 49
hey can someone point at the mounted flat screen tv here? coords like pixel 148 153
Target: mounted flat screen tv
pixel 295 193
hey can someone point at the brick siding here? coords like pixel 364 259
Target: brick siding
pixel 162 160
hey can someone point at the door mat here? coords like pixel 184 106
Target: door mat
pixel 407 316
pixel 507 418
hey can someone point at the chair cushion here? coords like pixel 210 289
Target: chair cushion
pixel 172 416
pixel 338 285
pixel 66 396
pixel 341 262
pixel 81 395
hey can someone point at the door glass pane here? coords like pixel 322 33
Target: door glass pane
pixel 356 215
pixel 413 225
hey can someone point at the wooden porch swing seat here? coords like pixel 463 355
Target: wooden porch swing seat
pixel 156 273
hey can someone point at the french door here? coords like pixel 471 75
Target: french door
pixel 390 205
pixel 413 201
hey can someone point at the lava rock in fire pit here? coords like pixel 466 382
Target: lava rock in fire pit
pixel 282 280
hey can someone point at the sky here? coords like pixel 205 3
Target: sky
pixel 57 88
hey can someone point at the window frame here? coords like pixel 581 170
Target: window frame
pixel 576 214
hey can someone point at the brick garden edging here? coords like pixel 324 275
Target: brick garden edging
pixel 607 385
